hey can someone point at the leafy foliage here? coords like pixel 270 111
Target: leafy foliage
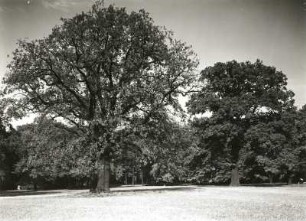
pixel 45 149
pixel 9 145
pixel 101 71
pixel 101 65
pixel 242 99
pixel 159 150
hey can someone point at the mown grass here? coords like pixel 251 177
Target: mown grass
pixel 201 203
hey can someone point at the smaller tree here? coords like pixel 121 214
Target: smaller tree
pixel 238 96
pixel 300 142
pixel 9 147
pixel 158 150
pixel 171 158
pixel 45 144
pixel 270 149
pixel 300 135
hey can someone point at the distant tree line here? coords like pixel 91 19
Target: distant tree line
pixel 105 87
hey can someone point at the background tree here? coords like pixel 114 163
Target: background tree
pixel 271 149
pixel 155 152
pixel 238 96
pixel 99 71
pixel 166 148
pixel 300 134
pixel 300 139
pixel 9 145
pixel 170 163
pixel 44 152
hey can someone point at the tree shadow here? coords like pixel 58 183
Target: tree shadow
pixel 265 184
pixel 183 188
pixel 12 193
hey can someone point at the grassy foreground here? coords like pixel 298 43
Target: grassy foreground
pixel 198 203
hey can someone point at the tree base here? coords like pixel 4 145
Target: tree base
pixel 235 177
pixel 103 176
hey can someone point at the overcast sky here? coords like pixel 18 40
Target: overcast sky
pixel 219 30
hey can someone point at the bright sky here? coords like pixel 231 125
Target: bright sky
pixel 219 30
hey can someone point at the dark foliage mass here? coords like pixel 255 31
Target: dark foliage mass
pixel 105 86
pixel 8 156
pixel 250 129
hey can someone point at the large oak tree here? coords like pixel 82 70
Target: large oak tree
pixel 99 71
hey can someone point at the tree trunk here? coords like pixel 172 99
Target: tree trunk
pixel 289 180
pixel 271 178
pixel 92 182
pixel 103 175
pixel 133 177
pixel 126 178
pixel 235 177
pixel 35 185
pixel 290 177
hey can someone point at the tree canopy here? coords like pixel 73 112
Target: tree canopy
pixel 101 71
pixel 239 97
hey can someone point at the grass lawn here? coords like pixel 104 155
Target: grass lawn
pixel 159 203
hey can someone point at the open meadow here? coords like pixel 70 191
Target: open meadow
pixel 159 203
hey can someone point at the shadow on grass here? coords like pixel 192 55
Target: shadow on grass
pixel 266 184
pixel 10 193
pixel 159 189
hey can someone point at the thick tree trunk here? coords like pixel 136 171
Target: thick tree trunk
pixel 103 175
pixel 235 177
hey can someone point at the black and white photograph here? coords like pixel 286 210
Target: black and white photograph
pixel 152 110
